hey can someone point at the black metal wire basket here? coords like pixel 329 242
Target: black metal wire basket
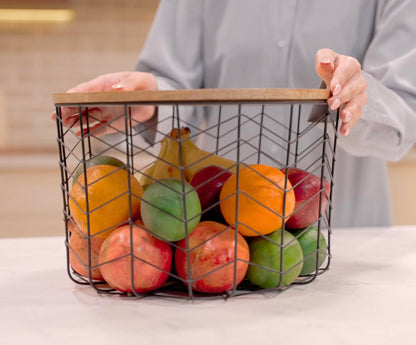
pixel 222 193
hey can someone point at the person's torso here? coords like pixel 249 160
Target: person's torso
pixel 272 43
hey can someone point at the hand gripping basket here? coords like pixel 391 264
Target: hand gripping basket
pixel 133 225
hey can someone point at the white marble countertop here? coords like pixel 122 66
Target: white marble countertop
pixel 367 297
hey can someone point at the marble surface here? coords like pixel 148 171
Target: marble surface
pixel 367 297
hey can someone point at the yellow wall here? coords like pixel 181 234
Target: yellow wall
pixel 39 59
pixel 403 189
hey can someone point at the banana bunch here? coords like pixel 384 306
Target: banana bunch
pixel 168 164
pixel 146 177
pixel 196 159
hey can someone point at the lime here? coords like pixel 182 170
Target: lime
pixel 308 240
pixel 170 209
pixel 265 254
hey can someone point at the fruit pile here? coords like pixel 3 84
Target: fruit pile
pixel 195 218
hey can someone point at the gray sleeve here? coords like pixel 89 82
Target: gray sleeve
pixel 172 52
pixel 387 128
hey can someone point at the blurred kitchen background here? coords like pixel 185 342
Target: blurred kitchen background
pixel 45 52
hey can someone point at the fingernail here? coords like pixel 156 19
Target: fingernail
pixel 325 61
pixel 337 89
pixel 347 116
pixel 347 131
pixel 117 86
pixel 335 104
pixel 70 121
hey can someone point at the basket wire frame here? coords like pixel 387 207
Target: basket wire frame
pixel 75 150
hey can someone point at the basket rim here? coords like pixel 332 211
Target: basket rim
pixel 194 96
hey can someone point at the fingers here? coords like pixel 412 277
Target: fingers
pixel 351 113
pixel 99 121
pixel 136 81
pixel 351 98
pixel 346 69
pixel 94 115
pixel 335 70
pixel 102 83
pixel 107 119
pixel 127 81
pixel 351 89
pixel 342 75
pixel 97 130
pixel 66 113
pixel 325 63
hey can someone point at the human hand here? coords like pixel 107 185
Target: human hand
pixel 342 75
pixel 103 120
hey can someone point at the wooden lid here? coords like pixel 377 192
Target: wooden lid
pixel 193 96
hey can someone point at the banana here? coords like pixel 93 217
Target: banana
pixel 168 163
pixel 196 158
pixel 146 177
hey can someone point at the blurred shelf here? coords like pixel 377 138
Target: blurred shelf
pixel 21 160
pixel 31 200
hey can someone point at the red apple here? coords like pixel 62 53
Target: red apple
pixel 213 264
pixel 208 182
pixel 152 260
pixel 308 193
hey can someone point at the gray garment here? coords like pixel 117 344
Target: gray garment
pixel 272 43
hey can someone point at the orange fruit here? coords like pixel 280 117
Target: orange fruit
pixel 261 192
pixel 81 250
pixel 98 160
pixel 109 199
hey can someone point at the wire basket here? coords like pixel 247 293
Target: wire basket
pixel 224 192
